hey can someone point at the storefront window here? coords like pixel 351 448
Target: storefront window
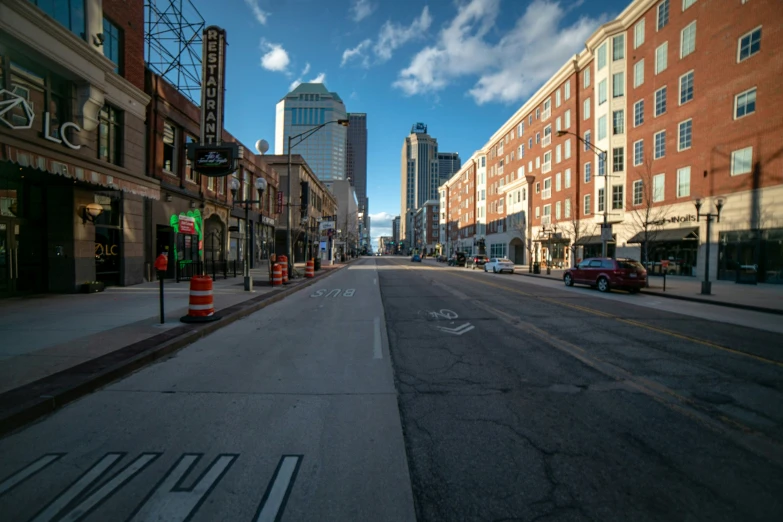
pixel 110 135
pixel 751 253
pixel 69 13
pixel 108 238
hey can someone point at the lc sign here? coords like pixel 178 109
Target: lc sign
pixel 16 114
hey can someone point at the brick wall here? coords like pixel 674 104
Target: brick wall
pixel 128 15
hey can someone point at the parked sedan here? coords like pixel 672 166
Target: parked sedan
pixel 476 261
pixel 605 274
pixel 499 264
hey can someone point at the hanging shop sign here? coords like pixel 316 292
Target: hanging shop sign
pixel 187 225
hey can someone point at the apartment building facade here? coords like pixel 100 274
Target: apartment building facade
pixel 672 101
pixel 426 229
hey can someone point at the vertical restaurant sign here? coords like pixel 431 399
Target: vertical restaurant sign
pixel 213 68
pixel 279 205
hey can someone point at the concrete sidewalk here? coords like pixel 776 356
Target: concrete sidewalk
pixel 45 334
pixel 761 298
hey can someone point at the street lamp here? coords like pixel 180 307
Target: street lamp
pixel 303 136
pixel 706 285
pixel 602 156
pixel 260 187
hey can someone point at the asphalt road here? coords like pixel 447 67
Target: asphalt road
pixel 524 402
pixel 289 414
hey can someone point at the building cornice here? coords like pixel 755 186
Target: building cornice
pixel 622 23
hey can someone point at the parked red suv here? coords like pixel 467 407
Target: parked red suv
pixel 606 274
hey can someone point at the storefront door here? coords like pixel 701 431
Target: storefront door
pixel 8 257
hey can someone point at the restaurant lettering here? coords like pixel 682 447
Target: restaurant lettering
pixel 676 219
pixel 105 250
pixel 213 82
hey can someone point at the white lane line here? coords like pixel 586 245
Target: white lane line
pixel 377 353
pixel 374 281
pixel 276 496
pixel 28 471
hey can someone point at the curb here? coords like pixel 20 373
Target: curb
pixel 50 393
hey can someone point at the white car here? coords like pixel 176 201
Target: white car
pixel 499 264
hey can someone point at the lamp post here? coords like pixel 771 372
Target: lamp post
pixel 260 187
pixel 301 137
pixel 602 156
pixel 706 285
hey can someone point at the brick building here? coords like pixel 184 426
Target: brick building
pixel 458 220
pixel 426 229
pixel 675 93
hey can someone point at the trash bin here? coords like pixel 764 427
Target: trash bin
pixel 536 268
pixel 317 263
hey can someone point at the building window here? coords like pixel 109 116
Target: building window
pixel 638 192
pixel 618 156
pixel 530 143
pixel 588 136
pixel 638 153
pixel 749 44
pixel 538 188
pixel 557 98
pixel 688 40
pixel 638 34
pixel 601 200
pixel 538 138
pixel 190 174
pixel 521 151
pixel 602 127
pixel 547 192
pixel 685 133
pixel 567 149
pixel 587 204
pixel 618 47
pixel 602 56
pixel 586 78
pixel 658 186
pixel 617 197
pixel 618 122
pixel 684 182
pixel 557 210
pixel 547 135
pixel 558 182
pixel 538 113
pixel 661 58
pixel 687 3
pixel 567 90
pixel 110 135
pixel 586 109
pixel 601 164
pixel 69 13
pixel 530 119
pixel 547 109
pixel 741 161
pixel 169 147
pixel 618 85
pixel 112 43
pixel 602 92
pixel 588 172
pixel 638 73
pixel 663 14
pixel 660 101
pixel 638 113
pixel 568 178
pixel 568 208
pixel 547 162
pixel 686 87
pixel 558 124
pixel 745 103
pixel 660 144
pixel 567 117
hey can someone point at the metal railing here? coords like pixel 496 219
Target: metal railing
pixel 186 270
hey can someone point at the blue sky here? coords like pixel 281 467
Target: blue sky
pixel 462 67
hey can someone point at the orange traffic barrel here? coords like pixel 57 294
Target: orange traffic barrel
pixel 284 263
pixel 277 275
pixel 310 269
pixel 201 307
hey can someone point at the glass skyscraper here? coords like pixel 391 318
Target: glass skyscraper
pixel 304 108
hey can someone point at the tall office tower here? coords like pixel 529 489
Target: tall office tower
pixel 357 160
pixel 304 108
pixel 448 165
pixel 419 176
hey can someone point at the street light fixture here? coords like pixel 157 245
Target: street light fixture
pixel 706 285
pixel 602 156
pixel 260 187
pixel 303 136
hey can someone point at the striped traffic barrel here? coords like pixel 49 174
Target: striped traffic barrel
pixel 277 275
pixel 201 307
pixel 284 263
pixel 310 269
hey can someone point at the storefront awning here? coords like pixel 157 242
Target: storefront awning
pixel 116 181
pixel 590 240
pixel 675 234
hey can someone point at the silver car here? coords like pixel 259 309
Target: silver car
pixel 499 264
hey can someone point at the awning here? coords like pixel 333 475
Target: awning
pixel 590 240
pixel 674 234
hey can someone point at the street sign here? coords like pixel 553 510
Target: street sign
pixel 325 225
pixel 606 232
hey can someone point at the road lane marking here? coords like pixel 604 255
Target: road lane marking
pixel 337 292
pixel 28 471
pixel 751 440
pixel 170 501
pixel 465 328
pixel 277 493
pixel 120 479
pixel 82 484
pixel 374 281
pixel 377 352
pixel 704 342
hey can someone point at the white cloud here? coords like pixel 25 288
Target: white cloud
pixel 392 36
pixel 318 79
pixel 306 69
pixel 294 84
pixel 361 9
pixel 259 13
pixel 508 70
pixel 275 58
pixel 357 51
pixel 380 225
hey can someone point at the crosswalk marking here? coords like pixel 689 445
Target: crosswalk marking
pixel 277 493
pixel 170 502
pixel 27 472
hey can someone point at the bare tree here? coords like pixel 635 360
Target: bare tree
pixel 647 217
pixel 576 228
